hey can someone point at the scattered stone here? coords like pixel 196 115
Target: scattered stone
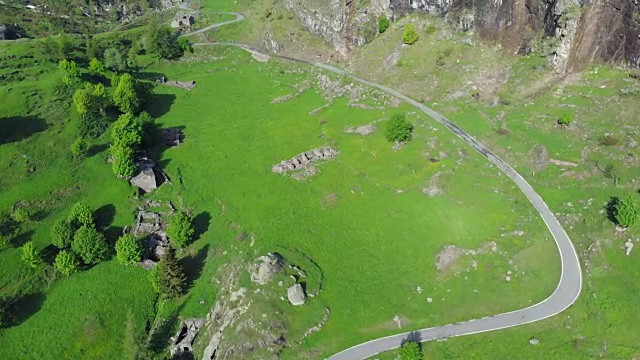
pixel 182 343
pixel 563 163
pixel 433 189
pixel 239 294
pixel 447 256
pixel 305 159
pixel 397 320
pixel 419 290
pixel 364 130
pixel 172 136
pixel 296 295
pixel 187 85
pixel 280 283
pixel 265 268
pixel 534 341
pixel 628 247
pixel 429 300
pixel 158 245
pixel 318 327
pixel 507 278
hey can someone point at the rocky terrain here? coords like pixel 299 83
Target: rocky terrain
pixel 572 32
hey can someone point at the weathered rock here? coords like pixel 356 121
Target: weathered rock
pixel 265 268
pixel 296 295
pixel 628 246
pixel 182 343
pixel 305 159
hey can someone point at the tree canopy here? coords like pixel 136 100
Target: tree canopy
pixel 410 36
pixel 123 164
pixel 180 230
pixel 31 255
pixel 61 234
pixel 81 214
pixel 66 262
pixel 127 131
pixel 626 212
pixel 411 350
pixel 398 128
pixel 128 249
pixel 168 277
pixel 125 96
pixel 90 245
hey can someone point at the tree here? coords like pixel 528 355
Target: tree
pixel 123 164
pixel 184 45
pixel 127 131
pixel 21 215
pixel 564 120
pixel 128 249
pixel 398 128
pixel 79 148
pixel 125 96
pixel 410 36
pixel 61 234
pixel 80 215
pixel 91 100
pixel 410 350
pixel 31 255
pixel 90 245
pixel 180 230
pixel 162 41
pixel 168 277
pixel 66 262
pixel 70 70
pixel 113 60
pixel 626 212
pixel 96 67
pixel 383 24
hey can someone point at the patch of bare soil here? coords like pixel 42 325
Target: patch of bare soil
pixel 331 200
pixel 434 188
pixel 448 256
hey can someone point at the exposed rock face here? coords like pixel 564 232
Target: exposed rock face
pixel 296 295
pixel 182 343
pixel 587 30
pixel 305 159
pixel 265 268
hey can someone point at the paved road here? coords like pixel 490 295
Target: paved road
pixel 565 294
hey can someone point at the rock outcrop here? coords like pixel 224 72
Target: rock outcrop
pixel 265 268
pixel 182 343
pixel 305 159
pixel 296 296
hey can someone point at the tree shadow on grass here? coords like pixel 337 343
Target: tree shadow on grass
pixel 193 265
pixel 97 149
pixel 22 238
pixel 49 254
pixel 105 215
pixel 159 340
pixel 611 207
pixel 16 128
pixel 21 308
pixel 201 224
pixel 160 104
pixel 112 234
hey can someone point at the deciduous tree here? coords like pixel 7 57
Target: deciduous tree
pixel 113 60
pixel 398 128
pixel 31 255
pixel 80 215
pixel 125 96
pixel 128 249
pixel 180 230
pixel 127 131
pixel 62 234
pixel 411 350
pixel 66 262
pixel 90 245
pixel 123 164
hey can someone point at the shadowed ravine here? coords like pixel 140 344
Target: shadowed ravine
pixel 569 286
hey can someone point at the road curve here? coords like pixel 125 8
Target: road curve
pixel 565 294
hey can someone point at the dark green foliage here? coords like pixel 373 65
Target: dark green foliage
pixel 383 24
pixel 80 215
pixel 96 67
pixel 410 36
pixel 163 42
pixel 79 148
pixel 21 215
pixel 62 234
pixel 626 212
pixel 411 350
pixel 8 229
pixel 180 230
pixel 90 245
pixel 127 131
pixel 184 45
pixel 123 164
pixel 168 276
pixel 398 128
pixel 128 249
pixel 91 102
pixel 125 96
pixel 608 140
pixel 113 60
pixel 70 71
pixel 31 255
pixel 66 262
pixel 565 120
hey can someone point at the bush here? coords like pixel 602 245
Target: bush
pixel 180 230
pixel 62 234
pixel 608 140
pixel 565 120
pixel 128 249
pixel 398 128
pixel 125 96
pixel 96 67
pixel 410 350
pixel 79 148
pixel 21 215
pixel 383 24
pixel 127 131
pixel 66 262
pixel 410 36
pixel 123 164
pixel 31 255
pixel 90 245
pixel 80 215
pixel 168 277
pixel 626 212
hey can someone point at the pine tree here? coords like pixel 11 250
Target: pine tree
pixel 169 278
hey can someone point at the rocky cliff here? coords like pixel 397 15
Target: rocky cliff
pixel 580 31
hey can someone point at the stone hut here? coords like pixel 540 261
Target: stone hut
pixel 183 20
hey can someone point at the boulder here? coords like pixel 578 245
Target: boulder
pixel 265 268
pixel 145 180
pixel 296 295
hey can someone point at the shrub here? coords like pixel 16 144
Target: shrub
pixel 125 96
pixel 608 140
pixel 127 131
pixel 398 128
pixel 62 234
pixel 96 67
pixel 123 164
pixel 66 262
pixel 411 350
pixel 128 249
pixel 180 230
pixel 79 148
pixel 410 36
pixel 31 255
pixel 90 245
pixel 565 120
pixel 80 215
pixel 626 212
pixel 383 24
pixel 21 215
pixel 168 277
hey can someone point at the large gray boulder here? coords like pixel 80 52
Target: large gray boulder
pixel 265 268
pixel 145 179
pixel 296 295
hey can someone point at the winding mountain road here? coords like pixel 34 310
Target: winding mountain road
pixel 565 294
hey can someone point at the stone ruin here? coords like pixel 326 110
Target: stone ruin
pixel 144 178
pixel 182 342
pixel 172 136
pixel 149 224
pixel 187 85
pixel 158 245
pixel 305 159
